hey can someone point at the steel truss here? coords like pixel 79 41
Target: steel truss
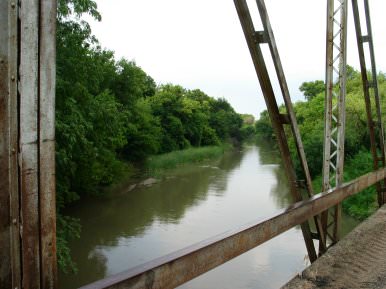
pixel 255 39
pixel 328 226
pixel 371 95
pixel 334 125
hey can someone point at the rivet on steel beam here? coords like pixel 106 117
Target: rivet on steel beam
pixel 14 221
pixel 13 77
pixel 13 5
pixel 13 150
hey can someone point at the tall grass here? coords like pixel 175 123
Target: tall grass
pixel 156 164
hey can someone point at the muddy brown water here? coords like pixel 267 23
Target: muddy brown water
pixel 135 224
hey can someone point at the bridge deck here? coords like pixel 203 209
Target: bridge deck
pixel 357 261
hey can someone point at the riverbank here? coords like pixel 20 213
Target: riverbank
pixel 191 203
pixel 159 168
pixel 156 165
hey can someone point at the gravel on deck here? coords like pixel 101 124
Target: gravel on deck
pixel 357 261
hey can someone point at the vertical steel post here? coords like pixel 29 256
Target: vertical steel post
pixel 9 195
pixel 27 152
pixel 370 86
pixel 335 109
pixel 47 185
pixel 29 141
pixel 278 120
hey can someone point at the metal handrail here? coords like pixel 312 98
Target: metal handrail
pixel 181 266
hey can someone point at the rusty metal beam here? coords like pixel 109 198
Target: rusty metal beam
pixel 27 152
pixel 272 106
pixel 377 146
pixel 335 109
pixel 9 197
pixel 291 113
pixel 177 268
pixel 29 138
pixel 5 222
pixel 47 201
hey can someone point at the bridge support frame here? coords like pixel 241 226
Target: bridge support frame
pixel 335 111
pixel 370 89
pixel 254 40
pixel 27 144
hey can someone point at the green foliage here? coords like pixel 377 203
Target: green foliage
pixel 131 83
pixel 225 121
pixel 156 164
pixel 68 8
pixel 67 228
pixel 263 126
pixel 191 118
pixel 312 88
pixel 363 204
pixel 143 135
pixel 310 116
pixel 247 132
pixel 110 114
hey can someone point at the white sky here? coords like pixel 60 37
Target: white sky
pixel 200 43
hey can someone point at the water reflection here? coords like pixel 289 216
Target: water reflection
pixel 193 203
pixel 269 155
pixel 108 221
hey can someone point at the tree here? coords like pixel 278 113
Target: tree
pixel 224 120
pixel 131 83
pixel 312 88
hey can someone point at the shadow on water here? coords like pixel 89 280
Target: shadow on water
pixel 107 220
pixel 269 155
pixel 128 227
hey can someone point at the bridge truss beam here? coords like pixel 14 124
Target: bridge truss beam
pixel 371 94
pixel 335 110
pixel 27 144
pixel 254 40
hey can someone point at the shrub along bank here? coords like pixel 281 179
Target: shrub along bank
pixel 310 116
pixel 111 115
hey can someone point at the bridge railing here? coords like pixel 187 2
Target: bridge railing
pixel 182 266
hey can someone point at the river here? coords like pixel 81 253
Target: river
pixel 131 226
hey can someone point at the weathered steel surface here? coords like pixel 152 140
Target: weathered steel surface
pixel 367 86
pixel 381 132
pixel 273 110
pixel 29 132
pixel 291 114
pixel 5 221
pixel 47 144
pixel 27 110
pixel 335 110
pixel 9 198
pixel 177 268
pixel 13 144
pixel 335 101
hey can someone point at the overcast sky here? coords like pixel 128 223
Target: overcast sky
pixel 200 43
